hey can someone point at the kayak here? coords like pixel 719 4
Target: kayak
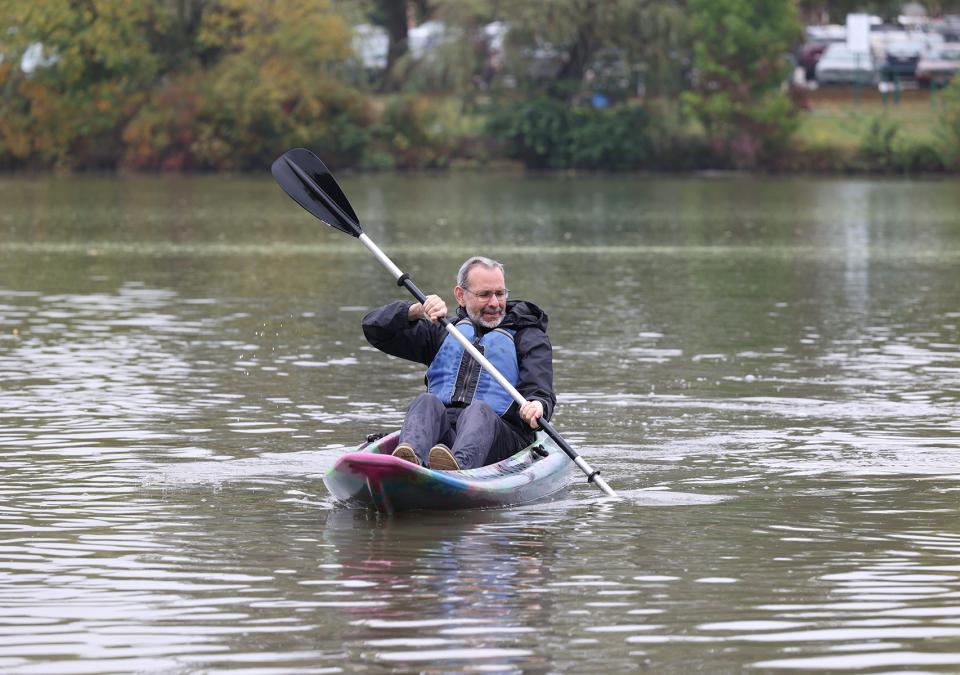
pixel 372 477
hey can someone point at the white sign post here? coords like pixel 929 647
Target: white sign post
pixel 858 42
pixel 858 33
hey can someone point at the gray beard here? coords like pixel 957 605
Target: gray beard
pixel 478 318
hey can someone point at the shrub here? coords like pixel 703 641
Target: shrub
pixel 876 146
pixel 676 143
pixel 162 133
pixel 820 157
pixel 534 131
pixel 410 133
pixel 919 157
pixel 949 126
pixel 546 133
pixel 610 139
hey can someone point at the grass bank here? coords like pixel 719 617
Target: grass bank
pixel 845 129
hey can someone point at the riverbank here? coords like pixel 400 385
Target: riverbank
pixel 839 130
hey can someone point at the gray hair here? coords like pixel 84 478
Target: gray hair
pixel 465 268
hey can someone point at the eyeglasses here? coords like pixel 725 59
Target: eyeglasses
pixel 486 295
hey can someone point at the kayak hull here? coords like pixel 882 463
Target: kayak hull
pixel 373 478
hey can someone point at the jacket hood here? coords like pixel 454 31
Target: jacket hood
pixel 520 314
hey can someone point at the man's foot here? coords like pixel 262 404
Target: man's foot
pixel 441 459
pixel 407 453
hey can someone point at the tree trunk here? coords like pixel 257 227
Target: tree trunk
pixel 583 50
pixel 395 15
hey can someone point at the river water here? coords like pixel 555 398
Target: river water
pixel 766 370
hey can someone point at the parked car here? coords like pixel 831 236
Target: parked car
pixel 840 65
pixel 901 59
pixel 936 69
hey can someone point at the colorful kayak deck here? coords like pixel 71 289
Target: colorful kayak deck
pixel 372 477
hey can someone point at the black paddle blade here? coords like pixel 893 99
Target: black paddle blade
pixel 309 182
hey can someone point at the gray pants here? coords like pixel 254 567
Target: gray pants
pixel 476 435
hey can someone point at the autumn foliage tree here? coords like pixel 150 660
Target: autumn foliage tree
pixel 90 66
pixel 271 83
pixel 215 84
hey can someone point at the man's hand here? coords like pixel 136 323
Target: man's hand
pixel 531 412
pixel 431 310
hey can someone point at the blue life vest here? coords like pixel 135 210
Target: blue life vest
pixel 457 379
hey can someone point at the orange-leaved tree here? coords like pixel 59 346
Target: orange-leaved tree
pixel 72 74
pixel 268 80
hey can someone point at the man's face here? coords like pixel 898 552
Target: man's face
pixel 485 296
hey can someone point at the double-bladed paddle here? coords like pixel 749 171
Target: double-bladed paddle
pixel 307 180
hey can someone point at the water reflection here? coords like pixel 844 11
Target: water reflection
pixel 766 370
pixel 456 585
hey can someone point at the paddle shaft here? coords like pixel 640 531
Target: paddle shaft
pixel 405 281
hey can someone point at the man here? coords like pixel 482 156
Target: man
pixel 466 419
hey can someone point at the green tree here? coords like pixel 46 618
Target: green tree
pixel 556 45
pixel 740 69
pixel 461 63
pixel 395 17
